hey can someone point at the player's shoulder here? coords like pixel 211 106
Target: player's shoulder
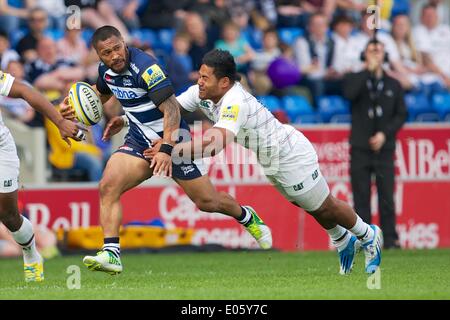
pixel 141 61
pixel 237 95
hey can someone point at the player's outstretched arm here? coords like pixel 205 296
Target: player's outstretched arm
pixel 67 128
pixel 213 142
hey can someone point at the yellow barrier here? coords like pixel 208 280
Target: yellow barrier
pixel 131 237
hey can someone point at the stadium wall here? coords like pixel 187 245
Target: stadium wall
pixel 422 195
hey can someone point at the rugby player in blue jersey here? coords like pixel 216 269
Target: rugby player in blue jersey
pixel 152 112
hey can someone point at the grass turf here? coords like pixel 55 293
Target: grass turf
pixel 419 274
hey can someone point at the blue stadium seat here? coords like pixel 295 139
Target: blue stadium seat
pixel 400 7
pixel 428 117
pixel 417 104
pixel 165 37
pixel 441 104
pixel 146 36
pixel 329 106
pixel 309 119
pixel 341 118
pixel 296 106
pixel 87 34
pixel 55 34
pixel 16 35
pixel 289 35
pixel 270 102
pixel 254 37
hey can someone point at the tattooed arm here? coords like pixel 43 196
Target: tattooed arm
pixel 162 162
pixel 171 109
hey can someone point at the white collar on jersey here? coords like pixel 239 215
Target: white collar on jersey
pixel 113 74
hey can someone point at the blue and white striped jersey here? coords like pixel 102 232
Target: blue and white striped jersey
pixel 133 88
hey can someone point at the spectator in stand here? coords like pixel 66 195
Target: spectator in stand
pixel 237 45
pixel 291 14
pixel 202 41
pixel 38 23
pixel 49 73
pixel 314 54
pixel 6 53
pixel 417 73
pixel 214 12
pixel 270 51
pixel 97 13
pixel 56 11
pixel 14 14
pixel 127 11
pixel 433 41
pixel 179 66
pixel 346 52
pixel 72 48
pixel 352 8
pixel 442 7
pixel 16 108
pixel 366 34
pixel 165 14
pixel 296 13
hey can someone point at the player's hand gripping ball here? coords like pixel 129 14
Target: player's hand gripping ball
pixel 86 103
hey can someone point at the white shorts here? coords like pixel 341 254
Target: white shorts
pixel 299 178
pixel 9 165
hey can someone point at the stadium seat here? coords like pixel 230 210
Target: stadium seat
pixel 428 117
pixel 289 35
pixel 341 118
pixel 308 119
pixel 55 34
pixel 400 7
pixel 16 35
pixel 417 104
pixel 87 34
pixel 146 36
pixel 270 102
pixel 165 37
pixel 329 106
pixel 254 37
pixel 296 106
pixel 441 104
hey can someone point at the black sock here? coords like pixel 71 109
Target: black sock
pixel 245 218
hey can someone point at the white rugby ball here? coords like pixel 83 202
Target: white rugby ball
pixel 86 103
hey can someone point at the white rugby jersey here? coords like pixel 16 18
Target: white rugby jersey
pixel 6 82
pixel 253 124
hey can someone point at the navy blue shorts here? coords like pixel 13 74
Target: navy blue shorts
pixel 181 171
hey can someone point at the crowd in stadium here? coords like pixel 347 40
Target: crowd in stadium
pixel 292 54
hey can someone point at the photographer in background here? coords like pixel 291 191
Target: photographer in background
pixel 378 112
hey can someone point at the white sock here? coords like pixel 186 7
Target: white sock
pixel 113 248
pixel 25 238
pixel 339 236
pixel 362 231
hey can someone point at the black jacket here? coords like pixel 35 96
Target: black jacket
pixel 388 96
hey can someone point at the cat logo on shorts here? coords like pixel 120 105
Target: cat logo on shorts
pixel 230 113
pixel 7 183
pixel 298 187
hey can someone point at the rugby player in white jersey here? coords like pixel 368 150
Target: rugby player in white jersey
pixel 286 155
pixel 20 227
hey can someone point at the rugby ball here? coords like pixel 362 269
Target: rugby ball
pixel 86 103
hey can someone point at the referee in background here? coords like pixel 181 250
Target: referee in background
pixel 378 112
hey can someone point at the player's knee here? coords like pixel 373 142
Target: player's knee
pixel 207 204
pixel 107 188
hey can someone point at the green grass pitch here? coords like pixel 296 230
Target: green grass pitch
pixel 418 274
